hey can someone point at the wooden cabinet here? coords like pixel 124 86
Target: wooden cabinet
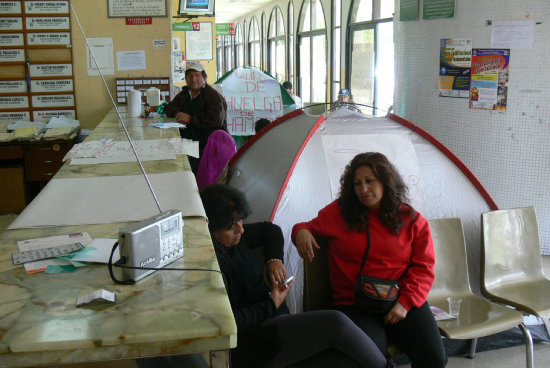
pixel 25 168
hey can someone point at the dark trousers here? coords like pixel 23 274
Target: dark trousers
pixel 417 335
pixel 325 338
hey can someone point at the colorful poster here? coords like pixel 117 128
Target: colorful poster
pixel 455 57
pixel 489 86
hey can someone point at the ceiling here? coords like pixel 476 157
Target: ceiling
pixel 229 10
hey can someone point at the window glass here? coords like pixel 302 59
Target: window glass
pixel 277 44
pixel 291 45
pixel 362 10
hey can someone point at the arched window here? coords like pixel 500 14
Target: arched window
pixel 263 42
pixel 336 47
pixel 312 52
pixel 370 78
pixel 228 53
pixel 276 45
pixel 239 46
pixel 254 43
pixel 219 56
pixel 291 44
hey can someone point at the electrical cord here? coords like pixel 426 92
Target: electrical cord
pixel 132 282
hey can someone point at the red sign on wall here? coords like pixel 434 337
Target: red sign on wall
pixel 133 21
pixel 196 26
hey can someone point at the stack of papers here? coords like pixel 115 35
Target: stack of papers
pixel 60 133
pixel 62 122
pixel 6 137
pixel 29 133
pixel 440 314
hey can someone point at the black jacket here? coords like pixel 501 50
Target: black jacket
pixel 243 268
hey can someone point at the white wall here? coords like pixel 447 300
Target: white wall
pixel 509 151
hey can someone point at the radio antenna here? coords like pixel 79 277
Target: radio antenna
pixel 116 109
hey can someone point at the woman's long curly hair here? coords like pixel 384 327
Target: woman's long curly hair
pixel 355 213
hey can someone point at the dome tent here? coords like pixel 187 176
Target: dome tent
pixel 290 170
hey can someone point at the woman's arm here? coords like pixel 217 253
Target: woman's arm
pixel 417 282
pixel 269 236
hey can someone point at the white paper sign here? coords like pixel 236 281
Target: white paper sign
pixel 47 23
pixel 53 101
pixel 16 86
pixel 131 60
pixel 15 115
pixel 10 7
pixel 198 44
pixel 58 38
pixel 137 8
pixel 101 55
pixel 250 94
pixel 14 23
pixel 11 39
pixel 51 70
pixel 52 85
pixel 7 55
pixel 512 34
pixel 398 148
pixel 46 7
pixel 14 102
pixel 46 115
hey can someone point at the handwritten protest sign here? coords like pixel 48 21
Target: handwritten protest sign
pixel 250 95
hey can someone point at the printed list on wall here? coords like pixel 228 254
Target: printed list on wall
pixel 35 54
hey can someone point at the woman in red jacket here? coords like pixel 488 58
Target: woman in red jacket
pixel 373 207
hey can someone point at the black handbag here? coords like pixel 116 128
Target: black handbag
pixel 373 294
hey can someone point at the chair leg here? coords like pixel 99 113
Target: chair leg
pixel 528 345
pixel 473 344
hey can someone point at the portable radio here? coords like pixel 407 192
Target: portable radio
pixel 153 243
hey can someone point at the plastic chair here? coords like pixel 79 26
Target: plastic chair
pixel 219 149
pixel 477 317
pixel 511 266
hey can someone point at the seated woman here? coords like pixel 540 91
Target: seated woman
pixel 372 209
pixel 267 335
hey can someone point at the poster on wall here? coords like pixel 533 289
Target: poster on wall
pixel 13 23
pixel 408 10
pixel 13 86
pixel 455 59
pixel 178 62
pixel 48 39
pixel 489 85
pixel 46 7
pixel 51 70
pixel 51 85
pixel 136 8
pixel 12 39
pixel 15 115
pixel 433 9
pixel 198 42
pixel 47 23
pixel 46 115
pixel 10 7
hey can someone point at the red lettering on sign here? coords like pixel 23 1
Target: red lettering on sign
pixel 133 21
pixel 196 26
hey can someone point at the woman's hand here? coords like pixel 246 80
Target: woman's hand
pixel 276 271
pixel 278 296
pixel 396 314
pixel 305 242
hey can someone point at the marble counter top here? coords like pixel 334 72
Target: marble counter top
pixel 168 312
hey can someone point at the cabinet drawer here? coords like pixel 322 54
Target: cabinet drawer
pixel 11 152
pixel 42 161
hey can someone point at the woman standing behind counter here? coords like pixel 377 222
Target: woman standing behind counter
pixel 267 335
pixel 372 207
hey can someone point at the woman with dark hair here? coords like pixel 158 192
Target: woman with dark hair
pixel 371 229
pixel 267 335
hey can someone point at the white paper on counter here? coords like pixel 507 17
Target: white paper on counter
pixel 109 199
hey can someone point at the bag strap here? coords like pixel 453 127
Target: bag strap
pixel 367 253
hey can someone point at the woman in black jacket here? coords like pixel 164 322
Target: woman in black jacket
pixel 267 334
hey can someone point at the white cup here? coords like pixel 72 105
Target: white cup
pixel 454 306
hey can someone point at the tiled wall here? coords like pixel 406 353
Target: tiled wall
pixel 509 151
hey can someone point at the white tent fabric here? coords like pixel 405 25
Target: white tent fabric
pixel 285 175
